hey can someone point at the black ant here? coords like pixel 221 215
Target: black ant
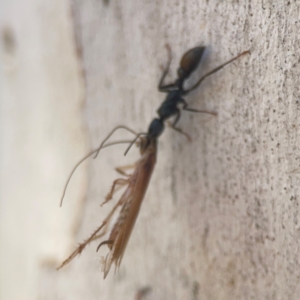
pixel 169 108
pixel 176 91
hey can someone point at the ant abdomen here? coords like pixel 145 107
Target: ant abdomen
pixel 189 62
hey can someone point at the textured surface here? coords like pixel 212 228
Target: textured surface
pixel 221 216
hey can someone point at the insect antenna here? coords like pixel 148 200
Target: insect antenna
pixel 138 136
pixel 112 132
pixel 214 71
pixel 83 159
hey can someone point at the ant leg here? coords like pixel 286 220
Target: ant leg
pixel 161 87
pixel 117 184
pixel 178 129
pixel 214 71
pixel 186 108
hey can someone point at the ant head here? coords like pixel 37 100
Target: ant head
pixel 156 128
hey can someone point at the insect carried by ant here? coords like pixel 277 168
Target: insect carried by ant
pixel 137 182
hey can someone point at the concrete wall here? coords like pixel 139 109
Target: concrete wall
pixel 220 218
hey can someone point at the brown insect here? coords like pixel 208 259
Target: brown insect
pixel 130 202
pixel 137 183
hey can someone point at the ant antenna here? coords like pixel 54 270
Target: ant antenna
pixel 214 71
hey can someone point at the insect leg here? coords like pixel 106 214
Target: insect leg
pixel 134 141
pixel 84 158
pixel 118 182
pixel 161 86
pixel 185 107
pixel 108 242
pixel 178 129
pixel 214 71
pixel 110 134
pixel 95 235
pixel 121 170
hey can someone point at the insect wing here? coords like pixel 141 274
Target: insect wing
pixel 135 192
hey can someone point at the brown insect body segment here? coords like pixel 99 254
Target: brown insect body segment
pixel 132 199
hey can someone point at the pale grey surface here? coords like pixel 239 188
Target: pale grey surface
pixel 41 134
pixel 220 219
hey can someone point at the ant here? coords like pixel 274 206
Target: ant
pixel 176 91
pixel 169 108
